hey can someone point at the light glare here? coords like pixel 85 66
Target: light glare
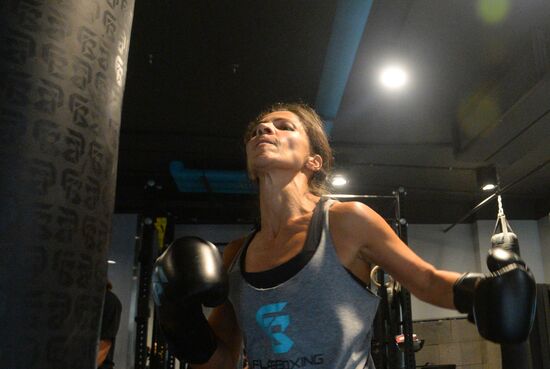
pixel 488 187
pixel 393 77
pixel 339 181
pixel 493 11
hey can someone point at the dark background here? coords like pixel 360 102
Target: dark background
pixel 479 94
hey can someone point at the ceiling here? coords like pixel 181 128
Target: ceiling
pixel 478 95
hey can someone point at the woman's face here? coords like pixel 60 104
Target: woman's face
pixel 279 141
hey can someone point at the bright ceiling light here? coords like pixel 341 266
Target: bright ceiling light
pixel 339 181
pixel 487 178
pixel 393 77
pixel 111 262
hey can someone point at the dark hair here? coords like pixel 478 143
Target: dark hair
pixel 315 130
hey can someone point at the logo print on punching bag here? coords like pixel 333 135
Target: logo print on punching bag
pixel 274 323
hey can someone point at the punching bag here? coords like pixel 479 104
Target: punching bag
pixel 62 74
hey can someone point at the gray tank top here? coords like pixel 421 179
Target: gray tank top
pixel 320 318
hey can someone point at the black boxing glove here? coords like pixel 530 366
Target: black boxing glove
pixel 186 276
pixel 502 304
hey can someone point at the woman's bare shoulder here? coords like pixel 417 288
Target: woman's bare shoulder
pixel 350 211
pixel 231 250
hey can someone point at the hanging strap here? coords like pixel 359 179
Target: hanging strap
pixel 503 235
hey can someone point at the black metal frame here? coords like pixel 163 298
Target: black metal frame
pixel 145 239
pixel 158 355
pixel 161 357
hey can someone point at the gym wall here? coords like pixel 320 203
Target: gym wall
pixel 454 250
pixel 124 286
pixel 544 236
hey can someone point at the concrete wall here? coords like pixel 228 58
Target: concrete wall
pixel 455 341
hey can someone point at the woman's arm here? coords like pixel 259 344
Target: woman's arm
pixel 487 297
pixel 223 322
pixel 102 351
pixel 374 240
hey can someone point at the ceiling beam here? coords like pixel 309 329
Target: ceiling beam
pixel 347 30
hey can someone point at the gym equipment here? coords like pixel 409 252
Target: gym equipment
pixel 187 275
pixel 153 219
pixel 516 356
pixel 503 235
pixel 418 344
pixel 392 286
pixel 502 303
pixel 62 68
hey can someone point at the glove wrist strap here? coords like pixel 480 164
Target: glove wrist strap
pixel 463 291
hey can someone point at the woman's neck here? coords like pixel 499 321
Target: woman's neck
pixel 282 200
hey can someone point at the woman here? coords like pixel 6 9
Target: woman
pixel 297 284
pixel 288 155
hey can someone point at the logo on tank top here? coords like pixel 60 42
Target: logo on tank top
pixel 274 323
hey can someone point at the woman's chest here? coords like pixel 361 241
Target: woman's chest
pixel 264 254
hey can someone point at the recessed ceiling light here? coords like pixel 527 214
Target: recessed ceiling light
pixel 111 262
pixel 393 77
pixel 487 178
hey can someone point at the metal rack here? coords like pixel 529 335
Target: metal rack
pixel 151 351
